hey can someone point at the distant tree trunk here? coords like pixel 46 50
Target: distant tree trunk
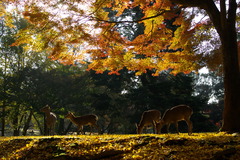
pixel 15 122
pixel 39 125
pixel 3 114
pixel 3 119
pixel 67 129
pixel 61 126
pixel 27 123
pixel 45 130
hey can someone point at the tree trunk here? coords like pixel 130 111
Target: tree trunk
pixel 3 114
pixel 3 119
pixel 228 36
pixel 45 129
pixel 231 114
pixel 68 127
pixel 15 122
pixel 60 130
pixel 39 124
pixel 27 123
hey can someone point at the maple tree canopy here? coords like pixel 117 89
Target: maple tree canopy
pixel 83 31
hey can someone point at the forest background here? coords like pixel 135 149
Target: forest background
pixel 29 81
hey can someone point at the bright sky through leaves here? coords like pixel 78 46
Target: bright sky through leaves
pixel 70 30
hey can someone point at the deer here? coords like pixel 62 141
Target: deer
pixel 84 120
pixel 149 117
pixel 174 115
pixel 50 120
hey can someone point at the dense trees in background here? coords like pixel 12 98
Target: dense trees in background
pixel 136 35
pixel 118 100
pixel 29 80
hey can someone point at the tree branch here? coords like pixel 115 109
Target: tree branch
pixel 129 21
pixel 209 6
pixel 162 11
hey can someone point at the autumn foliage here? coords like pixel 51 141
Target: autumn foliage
pixel 79 31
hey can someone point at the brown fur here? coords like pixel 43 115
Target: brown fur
pixel 175 114
pixel 148 118
pixel 50 120
pixel 81 121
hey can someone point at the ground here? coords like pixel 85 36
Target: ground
pixel 199 146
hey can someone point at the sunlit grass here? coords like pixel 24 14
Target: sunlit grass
pixel 144 146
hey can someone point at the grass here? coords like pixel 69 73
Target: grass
pixel 199 146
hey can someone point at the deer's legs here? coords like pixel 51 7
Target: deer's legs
pixel 91 130
pixel 154 127
pixel 176 124
pixel 80 129
pixel 97 127
pixel 49 131
pixel 168 125
pixel 189 123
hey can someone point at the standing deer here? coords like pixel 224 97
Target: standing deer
pixel 50 120
pixel 148 117
pixel 175 114
pixel 80 121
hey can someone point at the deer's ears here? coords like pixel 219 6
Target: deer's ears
pixel 47 106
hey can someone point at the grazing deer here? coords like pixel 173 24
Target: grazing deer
pixel 81 121
pixel 50 120
pixel 175 114
pixel 148 117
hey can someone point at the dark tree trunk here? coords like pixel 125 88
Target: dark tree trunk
pixel 45 129
pixel 3 114
pixel 27 123
pixel 15 122
pixel 231 114
pixel 224 23
pixel 67 129
pixel 3 120
pixel 61 126
pixel 39 125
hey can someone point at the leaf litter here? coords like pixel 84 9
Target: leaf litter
pixel 199 146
